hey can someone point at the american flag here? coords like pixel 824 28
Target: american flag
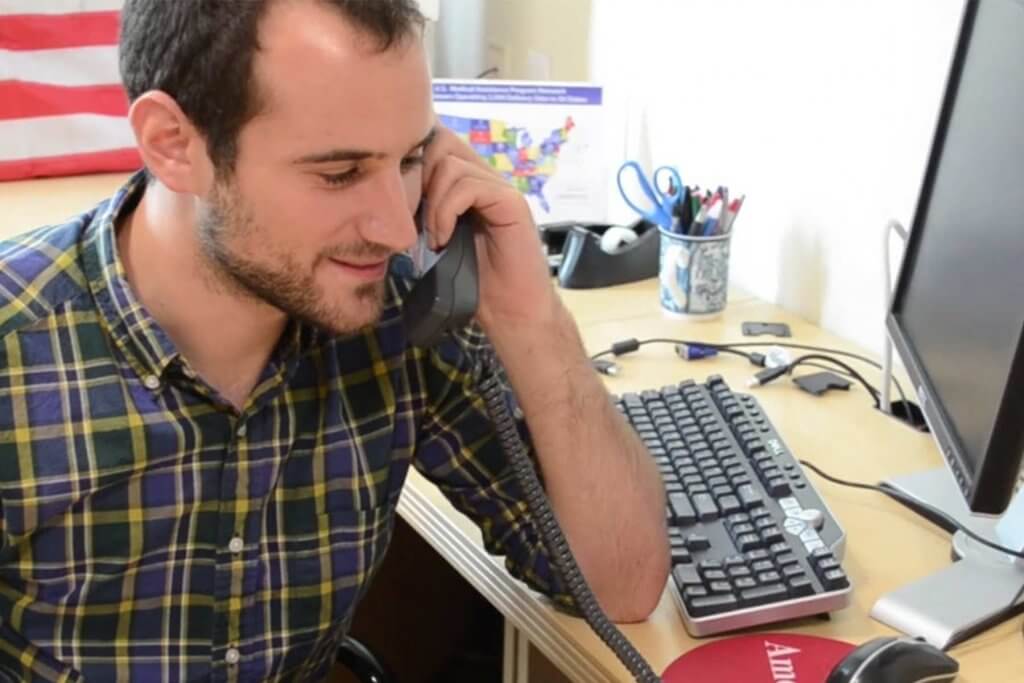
pixel 62 108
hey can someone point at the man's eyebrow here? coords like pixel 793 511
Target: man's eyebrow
pixel 336 155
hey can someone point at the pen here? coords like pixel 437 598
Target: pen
pixel 714 215
pixel 730 218
pixel 697 227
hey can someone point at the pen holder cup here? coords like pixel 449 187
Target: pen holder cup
pixel 693 275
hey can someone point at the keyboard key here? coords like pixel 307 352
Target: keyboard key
pixel 686 575
pixel 680 555
pixel 749 497
pixel 746 583
pixel 748 542
pixel 697 542
pixel 763 566
pixel 719 587
pixel 710 565
pixel 743 529
pixel 800 586
pixel 729 504
pixel 715 604
pixel 756 555
pixel 681 509
pixel 793 571
pixel 707 510
pixel 768 578
pixel 827 564
pixel 763 595
pixel 778 487
pixel 834 579
pixel 740 572
pixel 738 518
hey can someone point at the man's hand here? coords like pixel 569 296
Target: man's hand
pixel 515 285
pixel 603 485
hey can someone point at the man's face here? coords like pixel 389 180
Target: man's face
pixel 328 175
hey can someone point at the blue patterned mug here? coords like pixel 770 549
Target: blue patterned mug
pixel 693 274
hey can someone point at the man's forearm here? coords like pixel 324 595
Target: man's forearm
pixel 603 485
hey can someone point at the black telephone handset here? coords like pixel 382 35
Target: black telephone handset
pixel 447 295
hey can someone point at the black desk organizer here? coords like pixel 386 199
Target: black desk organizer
pixel 576 257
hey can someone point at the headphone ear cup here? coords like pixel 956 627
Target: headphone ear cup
pixel 616 238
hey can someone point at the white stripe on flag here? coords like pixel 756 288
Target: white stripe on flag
pixel 67 66
pixel 58 6
pixel 60 135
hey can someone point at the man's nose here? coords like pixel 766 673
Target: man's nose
pixel 389 222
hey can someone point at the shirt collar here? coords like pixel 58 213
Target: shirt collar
pixel 146 346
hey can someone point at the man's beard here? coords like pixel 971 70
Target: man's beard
pixel 280 281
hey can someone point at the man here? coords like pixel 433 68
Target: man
pixel 208 405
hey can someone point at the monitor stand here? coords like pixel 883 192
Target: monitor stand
pixel 977 590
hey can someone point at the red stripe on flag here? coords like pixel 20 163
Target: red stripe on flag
pixel 56 31
pixel 72 164
pixel 23 100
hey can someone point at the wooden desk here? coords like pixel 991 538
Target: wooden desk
pixel 887 546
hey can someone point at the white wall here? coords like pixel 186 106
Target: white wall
pixel 821 111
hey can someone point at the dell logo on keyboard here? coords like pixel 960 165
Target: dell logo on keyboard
pixel 776 447
pixel 780 659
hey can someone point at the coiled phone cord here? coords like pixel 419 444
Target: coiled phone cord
pixel 551 533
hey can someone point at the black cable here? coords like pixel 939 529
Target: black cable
pixel 629 345
pixel 822 349
pixel 856 375
pixel 551 533
pixel 912 502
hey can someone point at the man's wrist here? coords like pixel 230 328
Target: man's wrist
pixel 549 326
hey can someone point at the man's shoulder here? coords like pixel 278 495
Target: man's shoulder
pixel 40 271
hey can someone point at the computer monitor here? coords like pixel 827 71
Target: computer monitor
pixel 957 317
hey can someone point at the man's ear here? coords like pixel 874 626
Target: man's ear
pixel 171 147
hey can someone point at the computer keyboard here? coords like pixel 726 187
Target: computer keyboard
pixel 752 542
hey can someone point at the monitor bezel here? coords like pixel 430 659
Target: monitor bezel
pixel 988 487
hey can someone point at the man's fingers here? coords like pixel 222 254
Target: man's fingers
pixel 448 144
pixel 449 173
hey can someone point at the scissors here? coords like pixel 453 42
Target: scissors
pixel 663 202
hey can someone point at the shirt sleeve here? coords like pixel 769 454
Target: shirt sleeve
pixel 458 450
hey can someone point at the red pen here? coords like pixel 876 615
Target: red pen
pixel 730 218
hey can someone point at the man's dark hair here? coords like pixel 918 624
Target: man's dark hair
pixel 200 52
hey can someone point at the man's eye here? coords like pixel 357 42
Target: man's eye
pixel 410 163
pixel 346 178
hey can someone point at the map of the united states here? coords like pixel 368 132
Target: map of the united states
pixel 512 152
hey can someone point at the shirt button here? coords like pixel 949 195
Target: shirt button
pixel 232 656
pixel 240 431
pixel 151 381
pixel 236 545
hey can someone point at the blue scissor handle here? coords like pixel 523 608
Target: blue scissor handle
pixel 662 202
pixel 676 182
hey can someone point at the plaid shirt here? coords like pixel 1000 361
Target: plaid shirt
pixel 151 532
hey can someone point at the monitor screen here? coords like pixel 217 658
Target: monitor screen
pixel 958 311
